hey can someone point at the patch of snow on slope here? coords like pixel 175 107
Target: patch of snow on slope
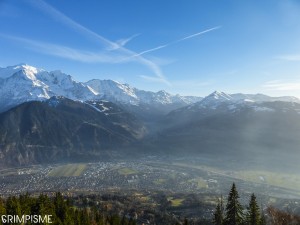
pixel 262 109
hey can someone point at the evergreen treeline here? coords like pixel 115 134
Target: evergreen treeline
pixel 62 211
pixel 235 214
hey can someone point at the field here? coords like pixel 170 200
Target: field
pixel 69 170
pixel 127 171
pixel 160 181
pixel 280 180
pixel 175 201
pixel 201 183
pixel 290 181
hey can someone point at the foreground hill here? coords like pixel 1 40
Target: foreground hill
pixel 60 129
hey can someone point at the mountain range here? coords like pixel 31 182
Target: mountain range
pixel 219 124
pixel 22 83
pixel 49 117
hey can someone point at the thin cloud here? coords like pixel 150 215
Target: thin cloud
pixel 278 85
pixel 292 57
pixel 155 79
pixel 67 52
pixel 177 41
pixel 123 42
pixel 62 18
pixel 192 83
pixel 162 61
pixel 57 15
pixel 81 56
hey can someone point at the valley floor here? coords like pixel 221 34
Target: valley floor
pixel 145 178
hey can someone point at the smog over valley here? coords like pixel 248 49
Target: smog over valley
pixel 135 112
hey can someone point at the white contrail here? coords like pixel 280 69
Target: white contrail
pixel 151 50
pixel 57 15
pixel 197 34
pixel 177 41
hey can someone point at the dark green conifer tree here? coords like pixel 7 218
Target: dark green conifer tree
pixel 62 210
pixel 2 209
pixel 186 222
pixel 131 222
pixel 13 206
pixel 253 214
pixel 99 218
pixel 85 219
pixel 263 220
pixel 26 203
pixel 234 210
pixel 219 213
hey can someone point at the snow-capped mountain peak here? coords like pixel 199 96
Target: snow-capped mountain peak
pixel 215 99
pixel 218 95
pixel 22 83
pixel 29 71
pixel 113 91
pixel 124 93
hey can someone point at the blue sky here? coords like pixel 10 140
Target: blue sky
pixel 188 47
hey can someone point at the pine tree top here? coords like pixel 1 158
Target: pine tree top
pixel 234 210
